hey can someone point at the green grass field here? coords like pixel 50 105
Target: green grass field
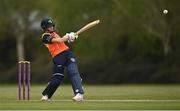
pixel 100 97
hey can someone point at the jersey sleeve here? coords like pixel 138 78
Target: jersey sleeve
pixel 47 39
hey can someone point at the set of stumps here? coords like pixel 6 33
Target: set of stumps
pixel 24 77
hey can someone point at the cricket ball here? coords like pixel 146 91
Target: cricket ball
pixel 165 11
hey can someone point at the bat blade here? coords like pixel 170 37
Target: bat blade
pixel 88 26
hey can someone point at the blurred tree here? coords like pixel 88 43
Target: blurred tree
pixel 22 19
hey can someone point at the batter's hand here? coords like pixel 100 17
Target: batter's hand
pixel 74 34
pixel 71 36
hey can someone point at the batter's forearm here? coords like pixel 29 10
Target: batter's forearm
pixel 60 40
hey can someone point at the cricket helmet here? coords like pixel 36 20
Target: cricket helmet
pixel 45 23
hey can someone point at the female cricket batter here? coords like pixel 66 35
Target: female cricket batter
pixel 62 57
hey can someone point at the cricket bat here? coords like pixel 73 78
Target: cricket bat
pixel 88 26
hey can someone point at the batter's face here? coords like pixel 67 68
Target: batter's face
pixel 50 29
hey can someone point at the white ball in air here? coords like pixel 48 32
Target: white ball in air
pixel 165 11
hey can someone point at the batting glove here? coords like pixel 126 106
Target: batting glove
pixel 74 34
pixel 71 38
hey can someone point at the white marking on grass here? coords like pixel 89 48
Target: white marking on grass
pixel 96 100
pixel 100 100
pixel 134 100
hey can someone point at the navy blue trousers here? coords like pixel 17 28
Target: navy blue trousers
pixel 62 60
